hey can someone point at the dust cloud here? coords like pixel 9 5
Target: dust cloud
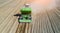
pixel 41 5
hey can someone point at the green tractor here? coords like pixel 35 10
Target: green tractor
pixel 25 15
